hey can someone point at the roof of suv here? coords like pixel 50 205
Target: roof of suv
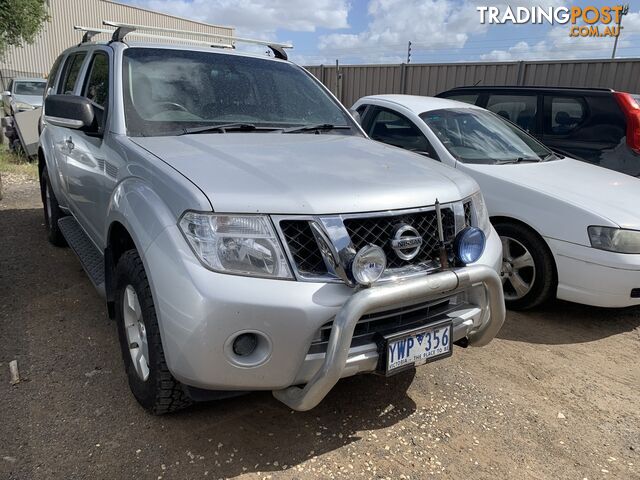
pixel 184 46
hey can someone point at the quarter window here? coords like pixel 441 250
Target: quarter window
pixel 520 109
pixel 70 73
pixel 567 114
pixel 471 98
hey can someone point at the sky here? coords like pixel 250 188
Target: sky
pixel 378 31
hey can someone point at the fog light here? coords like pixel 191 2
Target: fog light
pixel 469 245
pixel 368 265
pixel 245 344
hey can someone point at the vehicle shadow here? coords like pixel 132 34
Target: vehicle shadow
pixel 256 433
pixel 563 323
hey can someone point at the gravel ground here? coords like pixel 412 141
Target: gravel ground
pixel 555 396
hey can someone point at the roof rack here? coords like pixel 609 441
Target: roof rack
pixel 124 29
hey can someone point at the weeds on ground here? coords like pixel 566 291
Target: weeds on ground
pixel 16 167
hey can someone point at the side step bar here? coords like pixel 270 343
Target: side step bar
pixel 90 257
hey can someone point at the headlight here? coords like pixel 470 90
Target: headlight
pixel 615 239
pixel 236 244
pixel 20 106
pixel 469 244
pixel 480 212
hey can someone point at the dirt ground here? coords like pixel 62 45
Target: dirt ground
pixel 556 396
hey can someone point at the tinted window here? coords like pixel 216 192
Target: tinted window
pixel 471 98
pixel 477 136
pixel 169 90
pixel 29 88
pixel 53 73
pixel 70 73
pixel 520 109
pixel 392 128
pixel 567 113
pixel 97 85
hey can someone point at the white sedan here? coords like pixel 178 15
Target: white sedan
pixel 569 229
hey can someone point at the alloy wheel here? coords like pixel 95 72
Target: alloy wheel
pixel 136 333
pixel 518 269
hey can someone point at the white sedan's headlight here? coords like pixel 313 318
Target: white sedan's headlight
pixel 236 244
pixel 480 212
pixel 615 239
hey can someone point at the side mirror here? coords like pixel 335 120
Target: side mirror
pixel 356 116
pixel 70 111
pixel 6 93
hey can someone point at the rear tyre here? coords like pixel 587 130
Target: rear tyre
pixel 52 212
pixel 528 271
pixel 150 381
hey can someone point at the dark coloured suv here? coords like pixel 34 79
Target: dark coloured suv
pixel 597 125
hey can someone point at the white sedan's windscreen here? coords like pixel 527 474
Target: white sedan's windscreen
pixel 478 136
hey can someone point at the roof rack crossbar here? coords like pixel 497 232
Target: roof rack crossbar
pixel 123 29
pixel 89 32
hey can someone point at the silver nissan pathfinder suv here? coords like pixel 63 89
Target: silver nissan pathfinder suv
pixel 245 232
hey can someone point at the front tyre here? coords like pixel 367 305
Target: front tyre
pixel 528 271
pixel 150 381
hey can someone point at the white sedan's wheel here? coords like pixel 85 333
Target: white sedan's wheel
pixel 528 271
pixel 136 333
pixel 518 269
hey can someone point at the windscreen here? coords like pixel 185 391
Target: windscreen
pixel 169 90
pixel 29 88
pixel 478 136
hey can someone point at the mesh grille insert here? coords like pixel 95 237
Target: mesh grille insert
pixel 303 247
pixel 379 231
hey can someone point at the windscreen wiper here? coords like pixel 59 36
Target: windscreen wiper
pixel 312 127
pixel 227 127
pixel 518 160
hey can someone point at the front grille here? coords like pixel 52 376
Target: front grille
pixel 467 214
pixel 303 247
pixel 388 322
pixel 379 231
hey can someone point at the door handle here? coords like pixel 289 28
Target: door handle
pixel 69 143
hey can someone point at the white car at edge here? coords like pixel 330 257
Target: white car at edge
pixel 569 229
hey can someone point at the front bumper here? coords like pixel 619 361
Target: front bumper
pixel 595 277
pixel 199 311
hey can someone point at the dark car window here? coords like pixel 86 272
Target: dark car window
pixel 53 73
pixel 394 129
pixel 520 109
pixel 471 98
pixel 567 114
pixel 70 73
pixel 96 87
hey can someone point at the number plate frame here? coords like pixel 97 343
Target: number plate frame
pixel 383 350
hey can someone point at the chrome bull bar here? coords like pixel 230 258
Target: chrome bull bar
pixel 416 289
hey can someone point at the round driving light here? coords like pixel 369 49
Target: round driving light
pixel 469 245
pixel 368 264
pixel 245 344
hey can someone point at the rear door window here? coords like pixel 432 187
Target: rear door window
pixel 53 73
pixel 70 73
pixel 567 114
pixel 519 109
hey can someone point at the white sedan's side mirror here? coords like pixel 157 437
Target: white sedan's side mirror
pixel 356 116
pixel 6 93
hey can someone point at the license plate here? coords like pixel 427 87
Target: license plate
pixel 417 347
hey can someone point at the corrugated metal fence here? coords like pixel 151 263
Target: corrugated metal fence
pixel 351 82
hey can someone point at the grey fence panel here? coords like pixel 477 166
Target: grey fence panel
pixel 356 81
